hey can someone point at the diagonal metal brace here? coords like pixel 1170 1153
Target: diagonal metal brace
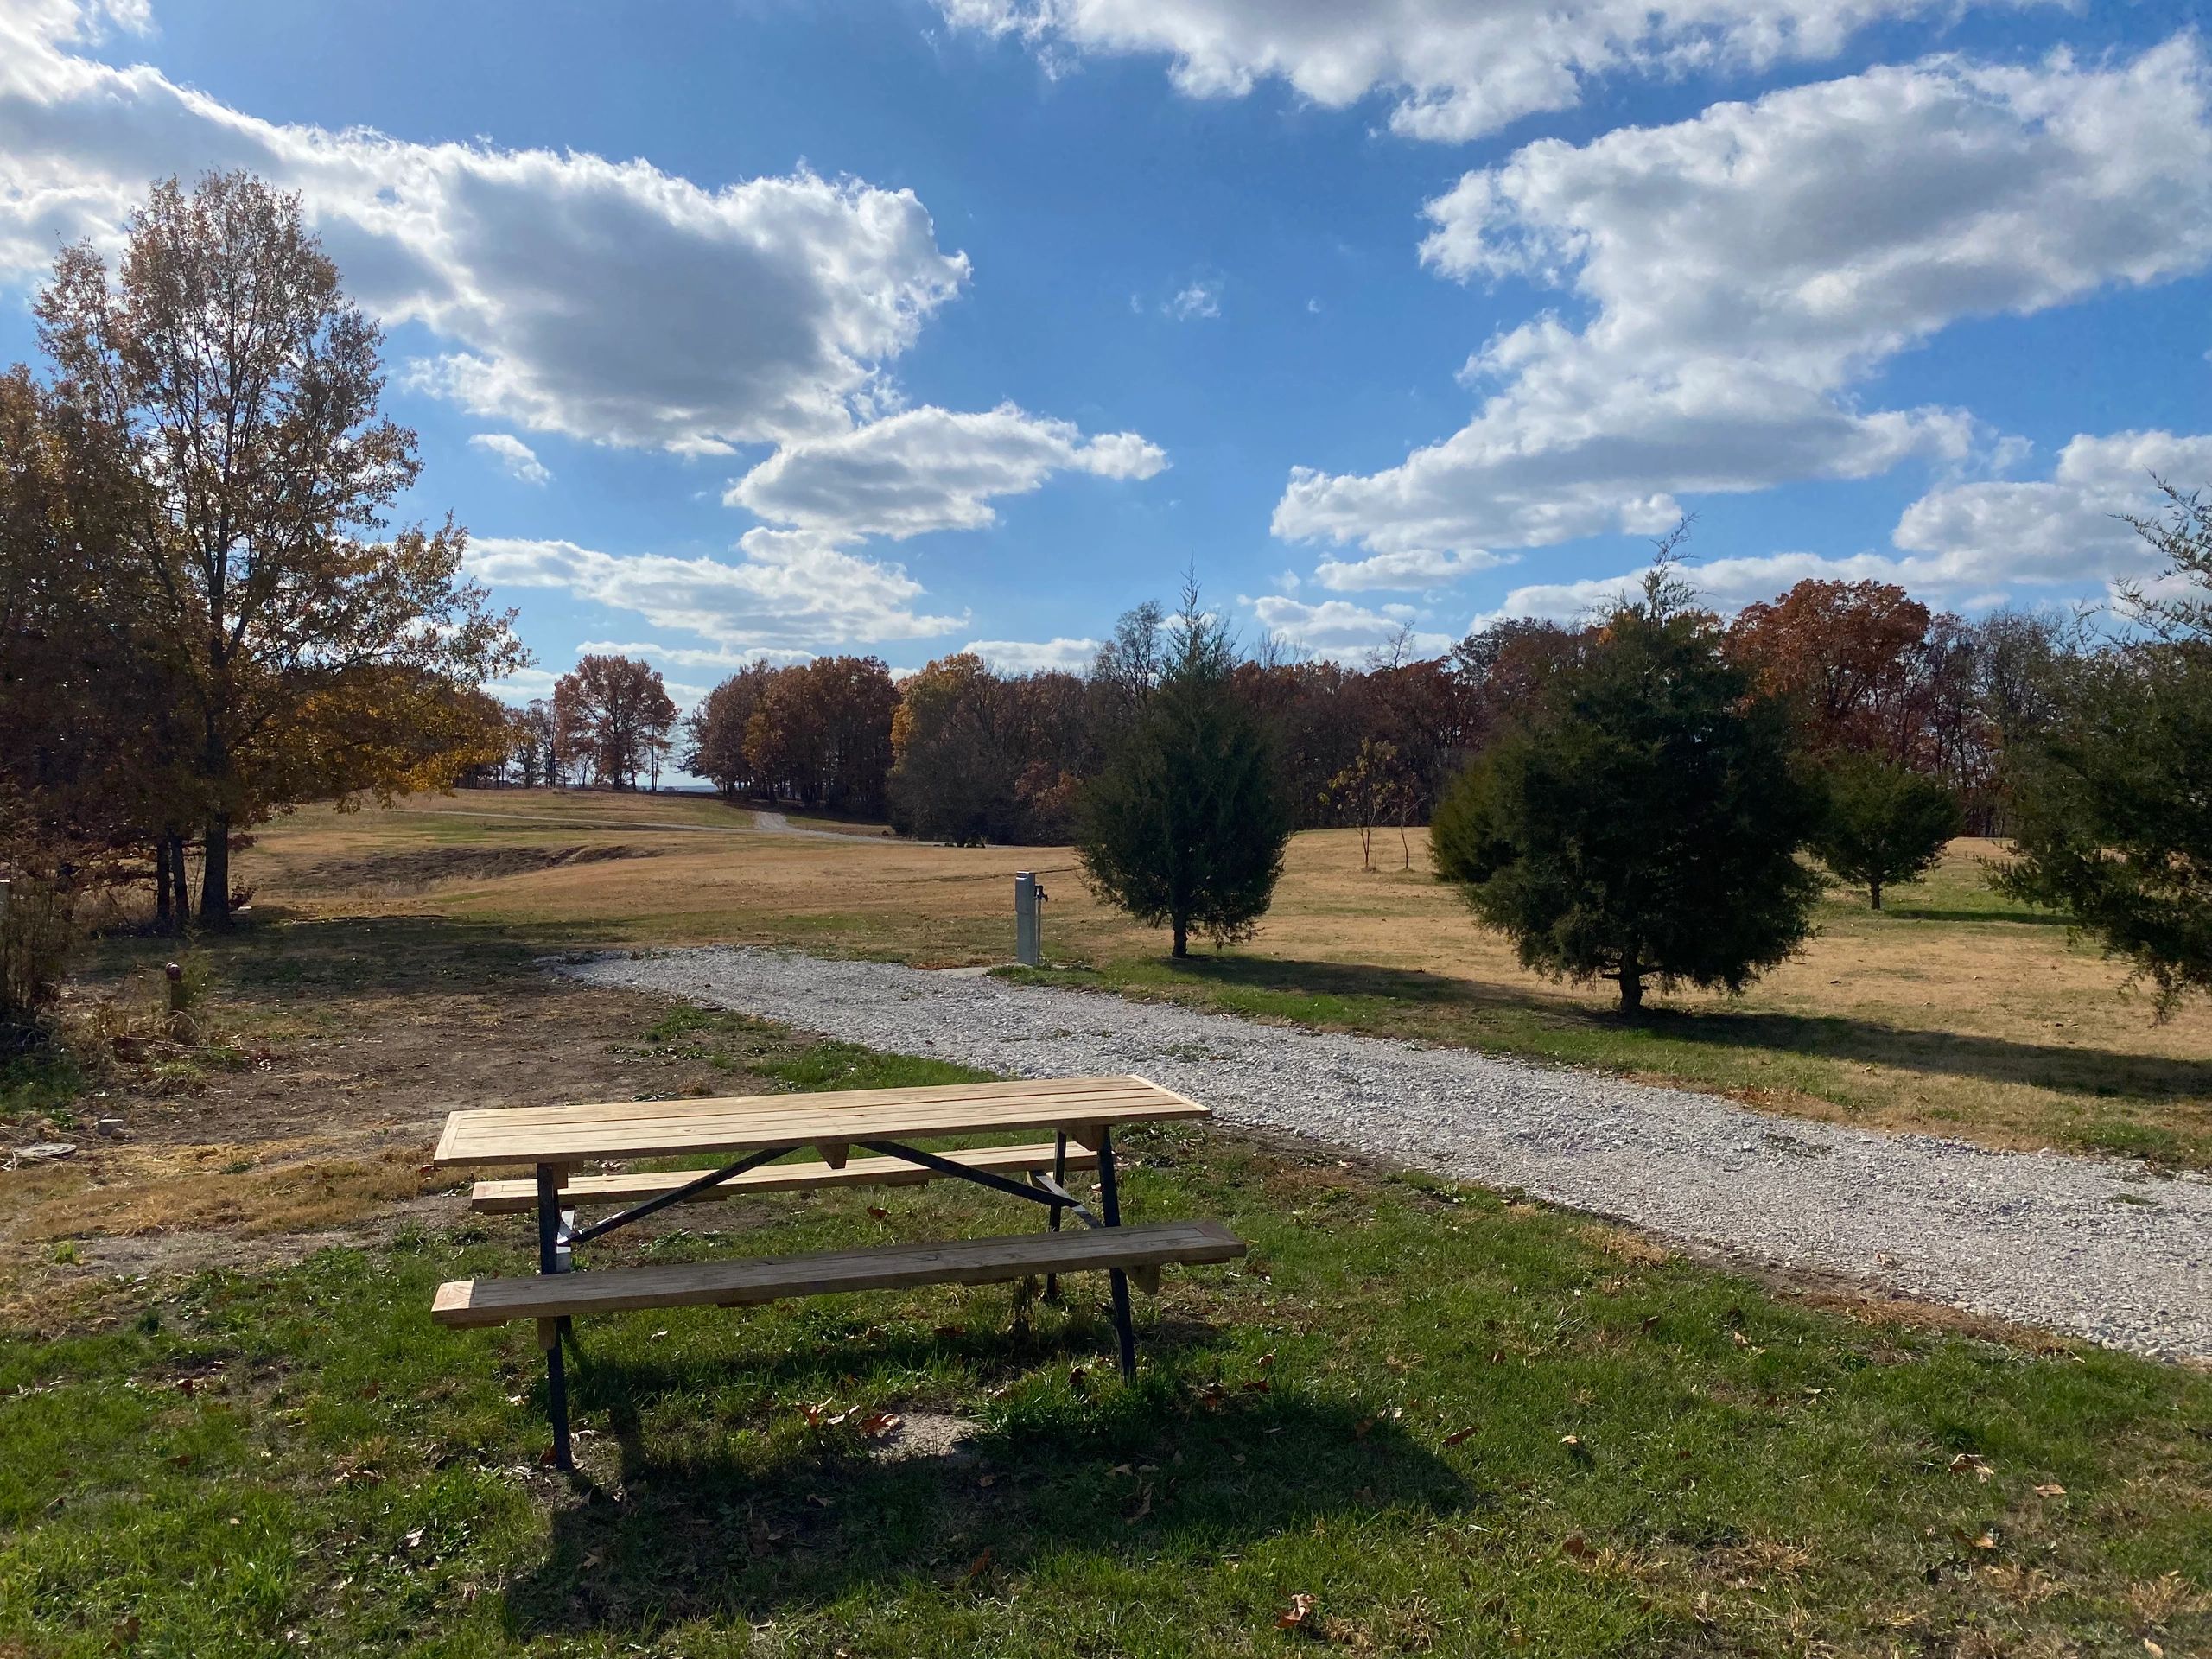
pixel 1060 1195
pixel 944 1166
pixel 712 1177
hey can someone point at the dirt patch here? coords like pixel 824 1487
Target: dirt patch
pixel 429 865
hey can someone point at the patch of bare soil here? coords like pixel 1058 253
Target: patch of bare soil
pixel 330 1130
pixel 429 866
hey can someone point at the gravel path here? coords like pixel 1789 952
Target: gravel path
pixel 2087 1247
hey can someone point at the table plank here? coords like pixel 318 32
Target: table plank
pixel 657 1129
pixel 896 1266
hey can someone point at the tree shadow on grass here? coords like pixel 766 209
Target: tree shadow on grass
pixel 2065 1068
pixel 688 1528
pixel 2009 917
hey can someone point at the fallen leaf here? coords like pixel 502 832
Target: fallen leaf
pixel 1459 1435
pixel 1076 1374
pixel 1650 1323
pixel 1968 1464
pixel 1985 1542
pixel 2050 1489
pixel 979 1566
pixel 2153 1648
pixel 1258 1385
pixel 1143 1508
pixel 818 1500
pixel 881 1215
pixel 658 1336
pixel 1298 1616
pixel 1579 1546
pixel 1121 1469
pixel 1267 1359
pixel 878 1422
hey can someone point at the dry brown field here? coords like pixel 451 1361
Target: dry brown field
pixel 1953 1011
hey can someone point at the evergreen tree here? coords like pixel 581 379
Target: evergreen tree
pixel 1643 820
pixel 1882 823
pixel 1185 824
pixel 2111 777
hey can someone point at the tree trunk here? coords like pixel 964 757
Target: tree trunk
pixel 1874 891
pixel 215 872
pixel 161 912
pixel 1182 937
pixel 1631 979
pixel 180 883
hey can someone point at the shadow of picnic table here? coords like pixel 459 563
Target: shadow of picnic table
pixel 672 1529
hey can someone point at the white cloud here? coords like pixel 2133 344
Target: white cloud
pixel 929 468
pixel 1415 568
pixel 1743 271
pixel 603 300
pixel 790 590
pixel 2069 529
pixel 607 301
pixel 1966 544
pixel 726 657
pixel 1197 299
pixel 517 459
pixel 1339 628
pixel 1027 656
pixel 1456 69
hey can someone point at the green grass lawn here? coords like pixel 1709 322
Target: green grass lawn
pixel 1460 1424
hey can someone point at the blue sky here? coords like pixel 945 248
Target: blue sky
pixel 766 328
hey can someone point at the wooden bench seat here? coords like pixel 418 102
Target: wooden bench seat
pixel 1139 1251
pixel 515 1197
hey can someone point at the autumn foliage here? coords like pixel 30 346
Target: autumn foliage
pixel 211 620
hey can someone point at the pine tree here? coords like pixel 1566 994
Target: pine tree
pixel 1643 820
pixel 1882 823
pixel 1184 826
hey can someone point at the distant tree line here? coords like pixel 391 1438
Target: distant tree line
pixel 957 751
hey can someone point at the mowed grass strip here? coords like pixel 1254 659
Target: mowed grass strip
pixel 1460 1424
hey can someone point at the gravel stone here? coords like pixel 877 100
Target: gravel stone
pixel 2094 1248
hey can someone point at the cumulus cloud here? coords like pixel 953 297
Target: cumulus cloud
pixel 1963 544
pixel 790 590
pixel 603 300
pixel 517 459
pixel 930 468
pixel 1745 271
pixel 1415 568
pixel 1028 656
pixel 1337 628
pixel 1453 70
pixel 726 657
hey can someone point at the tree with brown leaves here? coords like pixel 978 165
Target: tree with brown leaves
pixel 618 711
pixel 239 388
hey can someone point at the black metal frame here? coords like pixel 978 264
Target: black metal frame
pixel 557 1235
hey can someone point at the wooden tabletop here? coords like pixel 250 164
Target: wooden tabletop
pixel 664 1129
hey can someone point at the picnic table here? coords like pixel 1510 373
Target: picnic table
pixel 759 1133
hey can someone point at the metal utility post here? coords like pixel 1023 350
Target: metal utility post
pixel 1029 896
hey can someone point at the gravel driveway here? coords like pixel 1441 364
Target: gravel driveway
pixel 2076 1245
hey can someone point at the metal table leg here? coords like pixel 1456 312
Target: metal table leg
pixel 552 1257
pixel 1060 1181
pixel 1109 1205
